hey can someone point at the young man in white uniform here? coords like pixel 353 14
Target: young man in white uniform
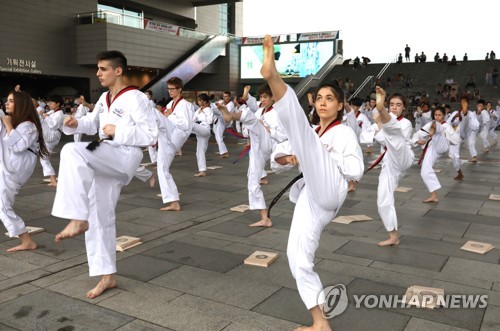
pixel 91 175
pixel 220 125
pixel 174 126
pixel 265 133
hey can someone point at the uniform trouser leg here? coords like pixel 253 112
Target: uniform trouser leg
pixel 454 154
pixel 493 134
pixel 427 172
pixel 100 238
pixel 8 191
pixel 484 137
pixel 77 137
pixel 219 129
pixel 471 141
pixel 93 180
pixel 202 135
pixel 303 241
pixel 166 155
pixel 255 195
pixel 152 154
pixel 387 184
pixel 143 174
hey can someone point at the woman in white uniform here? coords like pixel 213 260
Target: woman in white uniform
pixel 52 123
pixel 203 118
pixel 328 158
pixel 455 122
pixel 21 142
pixel 395 135
pixel 436 136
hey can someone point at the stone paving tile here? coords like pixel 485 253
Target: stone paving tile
pixel 138 325
pixel 240 292
pixel 144 268
pixel 16 292
pixel 456 216
pixel 60 276
pixel 483 232
pixel 243 318
pixel 197 256
pixel 46 310
pixel 466 196
pixel 473 269
pixel 460 317
pixel 418 324
pixel 78 286
pixel 395 255
pixel 235 229
pixel 165 314
pixel 447 249
pixel 491 320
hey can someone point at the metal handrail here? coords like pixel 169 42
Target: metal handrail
pixel 361 87
pixel 306 83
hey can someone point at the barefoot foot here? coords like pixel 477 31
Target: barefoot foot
pixel 201 174
pixel 152 181
pixel 27 244
pixel 460 176
pixel 389 242
pixel 352 187
pixel 264 181
pixel 106 282
pixel 264 223
pixel 224 156
pixel 74 228
pixel 173 206
pixel 431 199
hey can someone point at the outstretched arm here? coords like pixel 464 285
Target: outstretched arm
pixel 269 71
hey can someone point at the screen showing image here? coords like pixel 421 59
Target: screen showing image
pixel 294 60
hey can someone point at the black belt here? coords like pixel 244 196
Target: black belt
pixel 283 191
pixel 95 143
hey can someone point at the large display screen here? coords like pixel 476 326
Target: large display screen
pixel 293 60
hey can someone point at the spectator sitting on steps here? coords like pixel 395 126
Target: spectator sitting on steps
pixel 417 58
pixel 437 58
pixel 445 58
pixel 423 57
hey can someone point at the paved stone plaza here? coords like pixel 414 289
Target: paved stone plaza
pixel 189 274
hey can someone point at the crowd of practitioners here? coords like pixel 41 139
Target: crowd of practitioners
pixel 326 146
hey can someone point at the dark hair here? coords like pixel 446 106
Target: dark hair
pixel 149 92
pixel 175 81
pixel 204 97
pixel 24 110
pixel 264 89
pixel 356 102
pixel 447 106
pixel 227 92
pixel 399 96
pixel 116 58
pixel 338 94
pixel 57 99
pixel 464 97
pixel 481 101
pixel 440 108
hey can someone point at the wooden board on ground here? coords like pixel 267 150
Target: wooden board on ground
pixel 214 167
pixel 348 219
pixel 147 164
pixel 47 180
pixel 403 189
pixel 477 247
pixel 126 242
pixel 241 208
pixel 261 259
pixel 269 172
pixel 495 197
pixel 437 170
pixel 424 297
pixel 30 230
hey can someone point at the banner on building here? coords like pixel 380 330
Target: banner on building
pixel 318 36
pixel 161 27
